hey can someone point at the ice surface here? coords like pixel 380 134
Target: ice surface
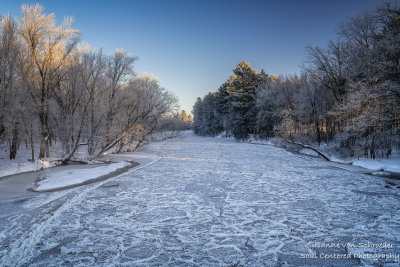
pixel 210 202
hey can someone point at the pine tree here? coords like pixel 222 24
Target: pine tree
pixel 197 116
pixel 243 109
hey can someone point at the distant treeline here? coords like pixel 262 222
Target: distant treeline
pixel 348 94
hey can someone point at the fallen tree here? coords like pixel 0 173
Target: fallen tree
pixel 309 147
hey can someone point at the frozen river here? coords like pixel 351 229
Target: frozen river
pixel 209 202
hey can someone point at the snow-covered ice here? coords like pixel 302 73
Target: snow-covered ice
pixel 73 177
pixel 210 202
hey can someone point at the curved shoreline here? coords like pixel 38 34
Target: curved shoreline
pixel 90 181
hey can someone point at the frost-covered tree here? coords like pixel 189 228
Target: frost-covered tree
pixel 348 93
pixel 185 117
pixel 119 71
pixel 211 120
pixel 47 50
pixel 223 103
pixel 197 116
pixel 243 109
pixel 52 90
pixel 206 118
pixel 12 97
pixel 233 107
pixel 267 106
pixel 142 103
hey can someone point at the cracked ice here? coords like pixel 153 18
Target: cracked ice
pixel 207 201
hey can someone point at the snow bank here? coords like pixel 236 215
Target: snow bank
pixel 73 177
pixel 392 165
pixel 160 136
pixel 22 162
pixel 9 167
pixel 309 152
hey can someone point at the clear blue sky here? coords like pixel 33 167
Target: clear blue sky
pixel 192 46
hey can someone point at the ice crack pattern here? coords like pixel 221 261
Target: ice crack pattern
pixel 206 202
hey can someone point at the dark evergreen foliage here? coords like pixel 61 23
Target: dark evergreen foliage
pixel 348 93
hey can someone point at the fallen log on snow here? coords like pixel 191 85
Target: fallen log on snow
pixel 309 147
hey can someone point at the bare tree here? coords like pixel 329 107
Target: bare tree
pixel 142 103
pixel 48 50
pixel 119 70
pixel 11 95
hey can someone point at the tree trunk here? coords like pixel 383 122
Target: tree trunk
pixel 138 145
pixel 108 127
pixel 32 144
pixel 318 131
pixel 90 140
pixel 121 146
pixel 44 145
pixel 2 129
pixel 372 149
pixel 14 142
pixel 48 137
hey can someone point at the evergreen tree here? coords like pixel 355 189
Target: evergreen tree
pixel 243 109
pixel 233 107
pixel 197 116
pixel 223 103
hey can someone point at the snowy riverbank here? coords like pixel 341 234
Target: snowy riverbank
pixel 23 164
pixel 68 178
pixel 392 164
